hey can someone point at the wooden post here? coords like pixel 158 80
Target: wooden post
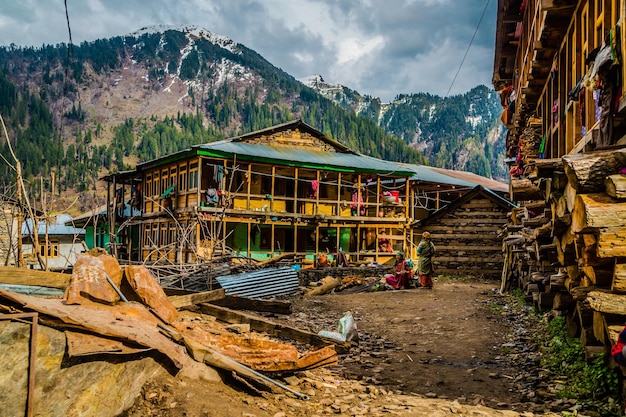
pixel 20 217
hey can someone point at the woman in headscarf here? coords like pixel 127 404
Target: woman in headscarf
pixel 425 250
pixel 401 277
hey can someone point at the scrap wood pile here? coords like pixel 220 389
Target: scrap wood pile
pixel 107 309
pixel 346 285
pixel 566 245
pixel 200 276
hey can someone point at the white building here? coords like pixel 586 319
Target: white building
pixel 58 246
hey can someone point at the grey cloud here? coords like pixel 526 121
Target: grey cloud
pixel 424 40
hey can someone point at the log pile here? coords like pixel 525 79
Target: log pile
pixel 565 247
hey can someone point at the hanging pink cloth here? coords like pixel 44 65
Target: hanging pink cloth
pixel 315 184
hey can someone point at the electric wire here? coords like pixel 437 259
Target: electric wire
pixel 468 48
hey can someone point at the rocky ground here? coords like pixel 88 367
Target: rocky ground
pixel 459 349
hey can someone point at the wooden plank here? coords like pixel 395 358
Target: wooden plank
pixel 569 194
pixel 593 211
pixel 616 186
pixel 481 213
pixel 23 276
pixel 619 278
pixel 611 242
pixel 586 172
pixel 196 298
pixel 468 229
pixel 607 302
pixel 261 324
pixel 441 247
pixel 244 303
pixel 599 325
pixel 524 189
pixel 496 259
pixel 474 204
pixel 466 221
pixel 456 236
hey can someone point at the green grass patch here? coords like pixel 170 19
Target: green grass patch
pixel 593 385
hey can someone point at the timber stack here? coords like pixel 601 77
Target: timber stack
pixel 565 247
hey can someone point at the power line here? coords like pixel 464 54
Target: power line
pixel 468 47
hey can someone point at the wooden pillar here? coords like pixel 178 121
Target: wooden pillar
pixel 20 217
pixel 273 190
pixel 112 215
pixel 249 182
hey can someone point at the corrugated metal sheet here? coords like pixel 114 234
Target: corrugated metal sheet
pixel 33 290
pixel 474 178
pixel 424 173
pixel 57 228
pixel 264 283
pixel 291 155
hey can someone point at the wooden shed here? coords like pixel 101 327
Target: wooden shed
pixel 466 234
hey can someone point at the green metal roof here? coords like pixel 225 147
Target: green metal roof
pixel 301 157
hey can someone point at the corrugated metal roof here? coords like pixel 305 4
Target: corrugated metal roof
pixel 424 173
pixel 475 178
pixel 452 177
pixel 263 283
pixel 295 156
pixel 56 228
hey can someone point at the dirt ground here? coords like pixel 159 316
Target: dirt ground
pixel 445 342
pixel 420 352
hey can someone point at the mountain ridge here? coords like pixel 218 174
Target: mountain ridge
pixel 121 100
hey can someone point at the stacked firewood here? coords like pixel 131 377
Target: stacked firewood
pixel 566 244
pixel 530 139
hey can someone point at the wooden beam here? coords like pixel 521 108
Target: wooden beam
pixel 244 303
pixel 24 276
pixel 586 172
pixel 619 278
pixel 611 242
pixel 196 298
pixel 607 302
pixel 261 324
pixel 593 211
pixel 616 186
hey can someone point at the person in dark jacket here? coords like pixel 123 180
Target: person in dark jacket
pixel 425 250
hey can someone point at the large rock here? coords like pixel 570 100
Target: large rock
pixel 104 386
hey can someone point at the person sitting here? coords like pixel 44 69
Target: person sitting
pixel 212 197
pixel 401 278
pixel 384 245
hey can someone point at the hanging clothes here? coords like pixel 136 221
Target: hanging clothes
pixel 314 187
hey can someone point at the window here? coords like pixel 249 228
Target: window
pixel 50 251
pixel 182 178
pixel 193 176
pixel 148 184
pixel 156 184
pixel 173 177
pixel 146 235
pixel 164 181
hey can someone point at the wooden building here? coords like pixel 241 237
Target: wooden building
pixel 466 234
pixel 285 189
pixel 558 65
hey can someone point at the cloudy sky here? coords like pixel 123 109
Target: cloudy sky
pixel 377 47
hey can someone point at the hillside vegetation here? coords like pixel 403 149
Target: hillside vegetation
pixel 102 106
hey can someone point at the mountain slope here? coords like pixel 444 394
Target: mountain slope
pixel 105 105
pixel 459 132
